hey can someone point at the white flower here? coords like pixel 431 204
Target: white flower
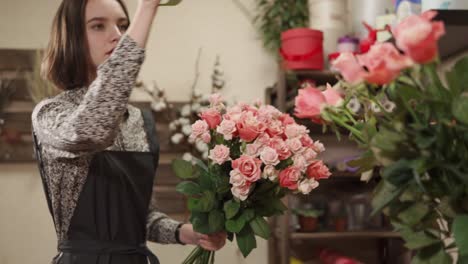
pixel 202 147
pixel 187 129
pixel 354 105
pixel 307 185
pixel 177 138
pixel 173 126
pixel 184 121
pixel 187 156
pixel 375 108
pixel 270 172
pixel 196 107
pixel 158 106
pixel 185 110
pixel 389 106
pixel 197 93
pixel 205 155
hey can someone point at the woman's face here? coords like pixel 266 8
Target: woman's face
pixel 105 23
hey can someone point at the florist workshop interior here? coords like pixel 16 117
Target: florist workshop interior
pixel 234 131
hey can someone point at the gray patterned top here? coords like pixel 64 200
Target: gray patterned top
pixel 82 121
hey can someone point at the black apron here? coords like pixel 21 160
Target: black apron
pixel 109 222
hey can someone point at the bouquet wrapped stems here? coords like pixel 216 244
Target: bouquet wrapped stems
pixel 200 255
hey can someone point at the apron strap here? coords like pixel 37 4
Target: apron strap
pixel 105 247
pixel 37 151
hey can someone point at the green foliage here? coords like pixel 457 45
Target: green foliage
pixel 421 151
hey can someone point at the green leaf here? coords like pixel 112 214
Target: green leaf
pixel 462 260
pixel 460 109
pixel 417 240
pixel 203 204
pixel 216 221
pixel 246 241
pixel 200 222
pixel 200 164
pixel 398 173
pixel 231 208
pixel 460 231
pixel 432 255
pixel 206 181
pixel 260 227
pixel 188 188
pixel 248 214
pixel 414 214
pixel 183 169
pixel 235 225
pixel 457 77
pixel 384 194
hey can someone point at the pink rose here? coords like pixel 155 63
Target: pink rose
pixel 294 145
pixel 317 170
pixel 308 104
pixel 215 100
pixel 307 185
pixel 300 162
pixel 281 148
pixel 269 156
pixel 274 128
pixel 286 119
pixel 318 147
pixel 384 63
pixel 249 127
pixel 332 96
pixel 219 154
pixel 236 178
pixel 349 67
pixel 249 167
pixel 233 113
pixel 309 155
pixel 306 141
pixel 289 177
pixel 253 149
pixel 227 128
pixel 295 130
pixel 199 128
pixel 263 139
pixel 270 172
pixel 417 36
pixel 206 137
pixel 212 117
pixel 241 192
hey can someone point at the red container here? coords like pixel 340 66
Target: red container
pixel 302 49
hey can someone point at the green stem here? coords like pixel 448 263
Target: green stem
pixel 353 130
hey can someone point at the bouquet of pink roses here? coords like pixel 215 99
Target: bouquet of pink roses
pixel 257 155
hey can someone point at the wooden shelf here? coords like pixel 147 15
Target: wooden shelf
pixel 350 234
pixel 321 77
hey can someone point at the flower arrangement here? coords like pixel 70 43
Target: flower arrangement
pixel 256 155
pixel 413 127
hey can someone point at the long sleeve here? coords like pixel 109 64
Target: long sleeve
pixel 92 124
pixel 160 228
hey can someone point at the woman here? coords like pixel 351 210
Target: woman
pixel 97 154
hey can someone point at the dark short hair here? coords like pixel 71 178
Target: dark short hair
pixel 67 61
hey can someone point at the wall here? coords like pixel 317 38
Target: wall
pixel 218 27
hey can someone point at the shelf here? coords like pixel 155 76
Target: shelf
pixel 321 77
pixel 16 107
pixel 350 234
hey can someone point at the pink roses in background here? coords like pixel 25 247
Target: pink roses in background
pixel 416 36
pixel 262 144
pixel 310 102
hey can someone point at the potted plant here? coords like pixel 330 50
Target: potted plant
pixel 308 219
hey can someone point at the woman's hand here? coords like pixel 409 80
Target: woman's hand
pixel 210 242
